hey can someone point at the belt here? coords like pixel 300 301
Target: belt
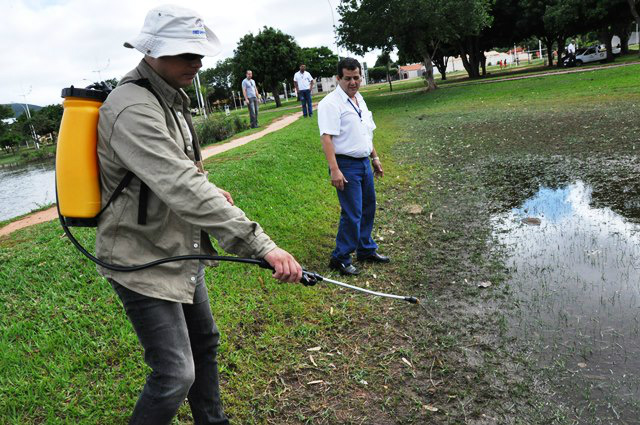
pixel 338 155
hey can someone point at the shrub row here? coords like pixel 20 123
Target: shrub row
pixel 218 127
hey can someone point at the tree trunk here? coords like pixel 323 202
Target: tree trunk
pixel 605 37
pixel 636 14
pixel 560 51
pixel 389 78
pixel 428 75
pixel 624 42
pixel 463 56
pixel 549 45
pixel 469 58
pixel 441 63
pixel 634 11
pixel 276 95
pixel 483 62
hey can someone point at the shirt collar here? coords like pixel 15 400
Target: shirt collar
pixel 173 97
pixel 345 97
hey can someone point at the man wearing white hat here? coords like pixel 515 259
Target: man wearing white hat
pixel 169 208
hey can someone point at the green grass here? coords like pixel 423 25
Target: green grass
pixel 25 155
pixel 71 357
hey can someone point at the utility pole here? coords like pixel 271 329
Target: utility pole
pixel 201 105
pixel 28 112
pixel 540 48
pixel 99 70
pixel 333 18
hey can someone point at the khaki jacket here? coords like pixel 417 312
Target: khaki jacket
pixel 137 133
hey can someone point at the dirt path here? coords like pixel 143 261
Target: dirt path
pixel 278 124
pixel 52 213
pixel 521 77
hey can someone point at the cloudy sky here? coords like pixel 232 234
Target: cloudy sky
pixel 46 45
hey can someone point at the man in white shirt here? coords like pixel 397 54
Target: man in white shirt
pixel 571 53
pixel 304 84
pixel 346 127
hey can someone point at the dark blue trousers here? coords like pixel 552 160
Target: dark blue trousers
pixel 358 204
pixel 307 104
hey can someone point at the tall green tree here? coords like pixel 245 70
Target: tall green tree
pixel 634 6
pixel 605 17
pixel 418 28
pixel 272 56
pixel 47 119
pixel 365 25
pixel 5 112
pixel 320 61
pixel 10 140
pixel 384 61
pixel 218 80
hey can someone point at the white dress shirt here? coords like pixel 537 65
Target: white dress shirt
pixel 338 116
pixel 303 80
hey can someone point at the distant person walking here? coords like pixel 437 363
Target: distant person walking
pixel 304 84
pixel 571 53
pixel 251 96
pixel 346 128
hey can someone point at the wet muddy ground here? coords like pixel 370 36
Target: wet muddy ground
pixel 542 201
pixel 575 273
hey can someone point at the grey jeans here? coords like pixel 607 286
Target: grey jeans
pixel 180 344
pixel 253 111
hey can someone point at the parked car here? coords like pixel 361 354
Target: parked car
pixel 591 54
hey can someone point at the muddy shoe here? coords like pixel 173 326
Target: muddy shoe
pixel 344 269
pixel 375 258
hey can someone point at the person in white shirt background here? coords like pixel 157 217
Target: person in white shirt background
pixel 303 82
pixel 346 128
pixel 571 51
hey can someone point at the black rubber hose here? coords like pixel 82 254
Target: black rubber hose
pixel 261 263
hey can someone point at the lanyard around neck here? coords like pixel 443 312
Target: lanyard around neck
pixel 359 111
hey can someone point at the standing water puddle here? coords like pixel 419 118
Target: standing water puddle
pixel 575 276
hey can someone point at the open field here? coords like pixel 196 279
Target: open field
pixel 494 73
pixel 463 154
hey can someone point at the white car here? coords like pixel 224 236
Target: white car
pixel 592 54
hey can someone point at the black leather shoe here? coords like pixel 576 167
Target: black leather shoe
pixel 344 269
pixel 375 258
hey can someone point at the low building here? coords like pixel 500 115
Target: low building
pixel 328 84
pixel 411 71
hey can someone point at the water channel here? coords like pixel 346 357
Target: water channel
pixel 24 188
pixel 575 274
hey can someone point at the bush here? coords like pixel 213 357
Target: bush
pixel 218 127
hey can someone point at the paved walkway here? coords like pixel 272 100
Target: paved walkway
pixel 207 152
pixel 521 77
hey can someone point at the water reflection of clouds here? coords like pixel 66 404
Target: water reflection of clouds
pixel 550 204
pixel 576 280
pixel 572 204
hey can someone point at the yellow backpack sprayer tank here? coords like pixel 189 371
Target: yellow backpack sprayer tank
pixel 77 173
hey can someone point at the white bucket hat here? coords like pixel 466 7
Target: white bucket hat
pixel 171 30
